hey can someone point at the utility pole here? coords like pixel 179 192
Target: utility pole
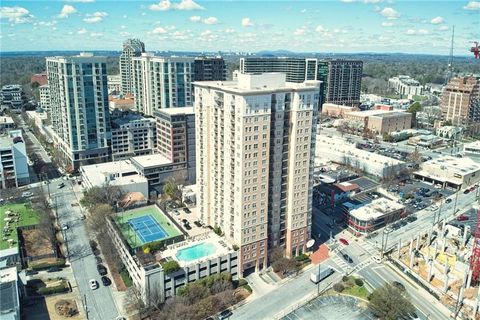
pixel 85 305
pixel 455 205
pixel 318 283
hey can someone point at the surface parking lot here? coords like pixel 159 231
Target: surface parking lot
pixel 417 195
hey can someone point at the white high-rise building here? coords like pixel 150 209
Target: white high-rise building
pixel 44 97
pixel 131 48
pixel 255 155
pixel 79 108
pixel 162 82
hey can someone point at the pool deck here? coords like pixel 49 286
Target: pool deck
pixel 130 234
pixel 209 237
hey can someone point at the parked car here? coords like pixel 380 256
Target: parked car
pixel 27 194
pixel 398 285
pixel 347 258
pixel 448 200
pixel 65 227
pixel 61 185
pixel 101 269
pixel 98 259
pixel 186 210
pixel 31 272
pixel 93 284
pixel 411 218
pixel 462 217
pixel 54 269
pixel 225 314
pixel 466 191
pixel 377 259
pixel 106 281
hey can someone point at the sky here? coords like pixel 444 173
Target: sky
pixel 343 26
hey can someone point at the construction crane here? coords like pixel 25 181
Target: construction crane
pixel 449 73
pixel 475 50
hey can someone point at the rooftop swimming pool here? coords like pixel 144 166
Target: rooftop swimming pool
pixel 197 251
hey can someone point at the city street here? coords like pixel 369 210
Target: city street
pixel 100 303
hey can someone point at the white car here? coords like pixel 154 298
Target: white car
pixel 93 284
pixel 27 194
pixel 438 186
pixel 377 259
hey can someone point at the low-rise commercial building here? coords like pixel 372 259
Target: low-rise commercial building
pixel 450 172
pixel 347 154
pixel 382 121
pixel 472 149
pixel 123 103
pixel 450 132
pixel 426 140
pixel 13 160
pixel 132 135
pixel 336 110
pixel 198 256
pixel 118 173
pixel 369 217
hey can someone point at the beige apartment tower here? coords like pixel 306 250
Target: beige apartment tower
pixel 255 145
pixel 461 100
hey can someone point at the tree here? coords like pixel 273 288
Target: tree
pixel 413 109
pixel 170 266
pixel 390 303
pixel 106 194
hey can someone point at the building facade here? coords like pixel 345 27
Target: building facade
pixel 13 160
pixel 114 84
pixel 176 137
pixel 132 135
pixel 162 82
pixel 341 79
pixel 255 143
pixel 13 96
pixel 79 108
pixel 461 100
pixel 131 48
pixel 405 85
pixel 210 69
pixel 44 97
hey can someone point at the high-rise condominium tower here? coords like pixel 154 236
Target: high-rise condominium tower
pixel 79 107
pixel 255 142
pixel 162 82
pixel 131 48
pixel 341 79
pixel 461 100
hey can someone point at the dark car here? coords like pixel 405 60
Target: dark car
pixel 411 218
pixel 101 269
pixel 225 314
pixel 186 210
pixel 54 269
pixel 31 272
pixel 462 217
pixel 466 191
pixel 448 200
pixel 188 227
pixel 184 221
pixel 198 223
pixel 398 285
pixel 106 281
pixel 347 258
pixel 98 259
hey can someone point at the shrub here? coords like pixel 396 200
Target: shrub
pixel 359 282
pixel 235 247
pixel 345 278
pixel 302 257
pixel 242 282
pixel 44 265
pixel 338 287
pixel 153 246
pixel 248 288
pixel 52 290
pixel 170 266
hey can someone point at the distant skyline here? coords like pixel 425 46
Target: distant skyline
pixel 343 26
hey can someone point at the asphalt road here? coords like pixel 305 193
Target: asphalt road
pixel 100 302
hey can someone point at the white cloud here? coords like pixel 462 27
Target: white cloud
pixel 96 34
pixel 124 34
pixel 82 31
pixel 165 5
pixel 303 10
pixel 372 1
pixel 82 1
pixel 300 31
pixel 246 22
pixel 229 30
pixel 322 31
pixel 95 17
pixel 159 30
pixel 387 24
pixel 210 20
pixel 15 14
pixel 47 23
pixel 122 27
pixel 348 1
pixel 472 5
pixel 443 28
pixel 66 11
pixel 390 13
pixel 415 32
pixel 436 20
pixel 195 18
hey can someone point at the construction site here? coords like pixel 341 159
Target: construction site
pixel 445 260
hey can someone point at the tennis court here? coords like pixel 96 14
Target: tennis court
pixel 144 225
pixel 147 228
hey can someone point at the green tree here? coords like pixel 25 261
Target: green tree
pixel 390 303
pixel 170 266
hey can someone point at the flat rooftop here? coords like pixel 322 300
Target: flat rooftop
pixel 177 111
pixel 126 119
pixel 151 160
pixel 97 173
pixel 376 209
pixel 392 114
pixel 368 113
pixel 453 165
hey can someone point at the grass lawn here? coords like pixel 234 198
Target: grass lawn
pixel 122 220
pixel 26 216
pixel 357 291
